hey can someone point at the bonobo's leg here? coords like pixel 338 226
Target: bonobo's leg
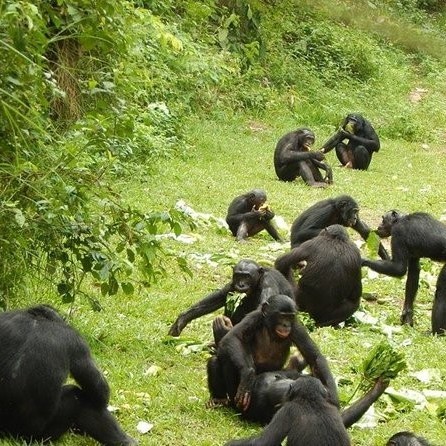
pixel 242 231
pixel 216 383
pixel 68 410
pixel 413 275
pixel 344 155
pixel 311 175
pixel 439 307
pixel 220 326
pixel 361 158
pixel 100 424
pixel 290 171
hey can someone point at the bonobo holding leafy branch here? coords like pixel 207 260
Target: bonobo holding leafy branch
pixel 257 283
pixel 414 236
pixel 294 158
pixel 249 214
pixel 362 141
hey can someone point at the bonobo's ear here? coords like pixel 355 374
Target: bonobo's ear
pixel 265 307
pixel 395 215
pixel 261 271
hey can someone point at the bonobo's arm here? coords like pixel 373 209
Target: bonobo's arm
pixel 273 434
pixel 364 232
pixel 371 143
pixel 328 170
pixel 86 374
pixel 288 262
pixel 315 359
pixel 290 155
pixel 272 231
pixel 236 347
pixel 396 267
pixel 353 413
pixel 210 303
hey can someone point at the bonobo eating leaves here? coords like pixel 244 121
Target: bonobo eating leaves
pixel 249 214
pixel 362 141
pixel 248 277
pixel 261 343
pixel 38 351
pixel 329 287
pixel 414 236
pixel 342 210
pixel 293 158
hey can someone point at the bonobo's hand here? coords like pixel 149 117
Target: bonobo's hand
pixel 243 396
pixel 176 328
pixel 319 156
pixel 344 133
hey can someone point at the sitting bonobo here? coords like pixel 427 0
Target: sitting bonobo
pixel 248 214
pixel 294 158
pixel 38 351
pixel 261 342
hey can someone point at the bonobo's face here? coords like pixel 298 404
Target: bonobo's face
pixel 306 139
pixel 258 198
pixel 283 324
pixel 350 216
pixel 388 220
pixel 246 276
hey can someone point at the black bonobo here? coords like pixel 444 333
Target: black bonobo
pixel 406 439
pixel 294 158
pixel 342 210
pixel 362 141
pixel 249 214
pixel 261 343
pixel 414 236
pixel 38 351
pixel 329 287
pixel 256 282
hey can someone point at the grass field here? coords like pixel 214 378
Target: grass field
pixel 164 384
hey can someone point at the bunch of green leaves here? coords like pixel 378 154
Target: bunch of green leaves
pixel 383 362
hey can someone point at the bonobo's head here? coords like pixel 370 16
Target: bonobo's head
pixel 307 387
pixel 335 231
pixel 257 197
pixel 305 138
pixel 353 123
pixel 246 276
pixel 279 312
pixel 348 210
pixel 388 220
pixel 406 439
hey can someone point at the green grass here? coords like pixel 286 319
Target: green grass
pixel 227 158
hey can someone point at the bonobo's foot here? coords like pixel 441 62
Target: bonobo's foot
pixel 407 318
pixel 214 403
pixel 318 184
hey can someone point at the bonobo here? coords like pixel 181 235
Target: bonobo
pixel 406 439
pixel 38 351
pixel 308 416
pixel 257 283
pixel 362 141
pixel 329 287
pixel 342 210
pixel 261 343
pixel 270 390
pixel 249 214
pixel 293 158
pixel 414 236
